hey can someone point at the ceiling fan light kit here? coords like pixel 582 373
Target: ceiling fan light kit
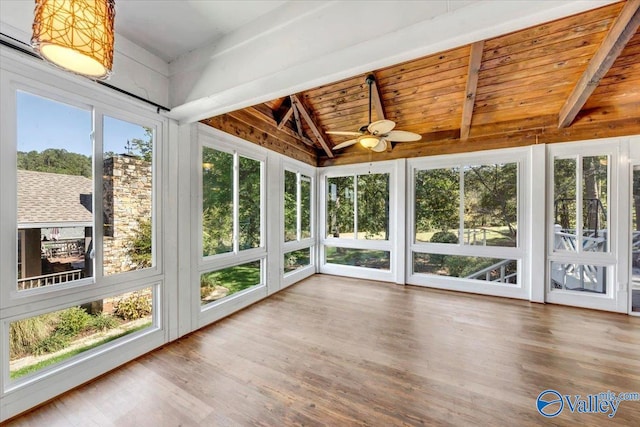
pixel 368 141
pixel 377 135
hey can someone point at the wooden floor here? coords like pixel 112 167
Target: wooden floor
pixel 338 352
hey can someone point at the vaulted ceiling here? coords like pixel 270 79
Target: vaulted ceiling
pixel 571 79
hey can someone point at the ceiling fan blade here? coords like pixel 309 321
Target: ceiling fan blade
pixel 343 132
pixel 382 146
pixel 402 136
pixel 345 144
pixel 381 127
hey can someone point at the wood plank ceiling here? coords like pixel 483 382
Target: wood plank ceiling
pixel 572 79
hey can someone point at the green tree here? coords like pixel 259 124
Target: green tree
pixel 373 205
pixel 139 245
pixel 437 199
pixel 55 160
pixel 143 147
pixel 491 196
pixel 217 201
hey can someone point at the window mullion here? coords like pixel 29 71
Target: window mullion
pixel 461 204
pixel 579 218
pixel 236 202
pixel 298 206
pixel 355 206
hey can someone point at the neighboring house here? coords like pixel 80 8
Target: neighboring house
pixel 55 220
pixel 51 201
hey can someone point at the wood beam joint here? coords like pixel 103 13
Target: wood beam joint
pixel 622 30
pixel 314 129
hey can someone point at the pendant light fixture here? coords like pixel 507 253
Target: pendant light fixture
pixel 76 35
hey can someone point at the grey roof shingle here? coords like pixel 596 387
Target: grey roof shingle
pixel 53 199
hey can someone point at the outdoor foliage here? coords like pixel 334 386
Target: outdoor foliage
pixel 491 197
pixel 139 245
pixel 372 195
pixel 52 332
pixel 217 202
pixel 437 194
pixel 132 307
pixel 490 202
pixel 55 160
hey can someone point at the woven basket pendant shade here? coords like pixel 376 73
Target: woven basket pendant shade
pixel 76 35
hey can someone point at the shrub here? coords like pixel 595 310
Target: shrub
pixel 72 321
pixel 56 341
pixel 441 237
pixel 456 265
pixel 103 322
pixel 444 237
pixel 25 334
pixel 135 306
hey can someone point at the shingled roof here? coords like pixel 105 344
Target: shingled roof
pixel 51 199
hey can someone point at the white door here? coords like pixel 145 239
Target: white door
pixel 583 225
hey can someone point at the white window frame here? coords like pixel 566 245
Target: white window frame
pixel 394 245
pixel 221 141
pixel 611 299
pixel 298 168
pixel 520 156
pixel 24 74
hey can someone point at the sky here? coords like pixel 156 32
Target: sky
pixel 43 123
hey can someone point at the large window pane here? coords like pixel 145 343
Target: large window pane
pixel 41 341
pixel 468 267
pixel 594 203
pixel 217 201
pixel 249 212
pixel 290 206
pixel 340 207
pixel 635 240
pixel 564 199
pixel 54 192
pixel 219 284
pixel 373 206
pixel 127 185
pixel 296 260
pixel 305 207
pixel 437 205
pixel 369 258
pixel 491 204
pixel 579 277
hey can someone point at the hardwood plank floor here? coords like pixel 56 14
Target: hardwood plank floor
pixel 338 352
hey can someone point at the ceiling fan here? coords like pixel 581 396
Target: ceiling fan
pixel 377 135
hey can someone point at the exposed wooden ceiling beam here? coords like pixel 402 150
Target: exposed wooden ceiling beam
pixel 296 116
pixel 614 42
pixel 475 61
pixel 376 100
pixel 314 129
pixel 286 117
pixel 271 122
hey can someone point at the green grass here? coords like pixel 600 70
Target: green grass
pixel 64 356
pixel 235 279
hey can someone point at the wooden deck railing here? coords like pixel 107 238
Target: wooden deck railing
pixel 49 279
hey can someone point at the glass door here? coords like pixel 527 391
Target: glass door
pixel 582 246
